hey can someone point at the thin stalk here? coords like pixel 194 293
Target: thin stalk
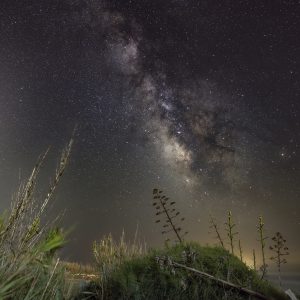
pixel 170 220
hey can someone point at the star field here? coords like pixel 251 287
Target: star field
pixel 199 98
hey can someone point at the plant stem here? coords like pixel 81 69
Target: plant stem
pixel 170 221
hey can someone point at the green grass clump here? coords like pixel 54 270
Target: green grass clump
pixel 143 277
pixel 29 268
pixel 110 255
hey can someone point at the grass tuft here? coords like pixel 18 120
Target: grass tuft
pixel 29 268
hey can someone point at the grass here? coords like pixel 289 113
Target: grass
pixel 143 277
pixel 80 270
pixel 110 255
pixel 29 268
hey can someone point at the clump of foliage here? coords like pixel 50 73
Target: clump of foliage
pixel 280 249
pixel 168 215
pixel 29 268
pixel 262 241
pixel 147 277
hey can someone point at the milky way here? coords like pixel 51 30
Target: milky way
pixel 199 98
pixel 191 123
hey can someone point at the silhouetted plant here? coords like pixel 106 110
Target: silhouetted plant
pixel 29 268
pixel 170 220
pixel 262 240
pixel 280 250
pixel 230 230
pixel 215 226
pixel 254 260
pixel 240 250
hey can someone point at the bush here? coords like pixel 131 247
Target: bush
pixel 143 277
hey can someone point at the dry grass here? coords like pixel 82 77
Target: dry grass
pixel 28 267
pixel 110 254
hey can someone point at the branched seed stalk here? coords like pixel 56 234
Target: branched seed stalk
pixel 254 261
pixel 240 251
pixel 215 226
pixel 230 231
pixel 280 249
pixel 165 207
pixel 262 241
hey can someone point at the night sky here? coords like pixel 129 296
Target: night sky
pixel 198 98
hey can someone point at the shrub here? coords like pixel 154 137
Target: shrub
pixel 143 277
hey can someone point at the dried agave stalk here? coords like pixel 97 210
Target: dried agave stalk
pixel 280 250
pixel 262 240
pixel 215 226
pixel 170 215
pixel 230 231
pixel 254 260
pixel 240 251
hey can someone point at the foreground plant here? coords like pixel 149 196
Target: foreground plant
pixel 240 251
pixel 215 226
pixel 28 266
pixel 168 215
pixel 262 241
pixel 110 254
pixel 280 249
pixel 254 260
pixel 230 231
pixel 168 274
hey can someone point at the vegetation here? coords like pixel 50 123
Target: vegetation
pixel 170 216
pixel 240 250
pixel 262 240
pixel 230 231
pixel 254 260
pixel 215 226
pixel 182 271
pixel 280 250
pixel 110 255
pixel 150 276
pixel 29 268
